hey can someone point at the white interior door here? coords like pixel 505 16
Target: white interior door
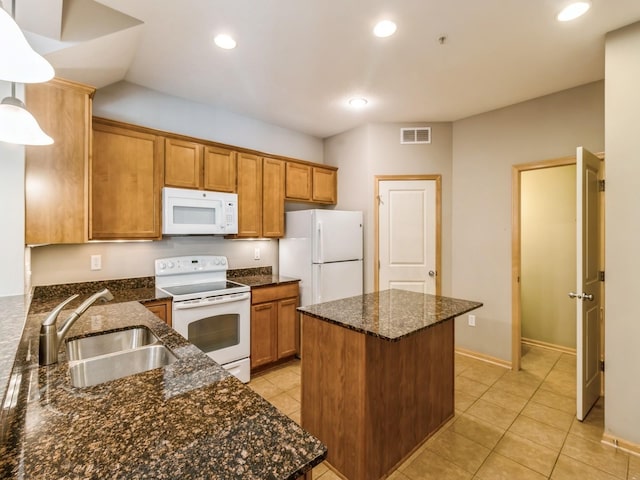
pixel 588 282
pixel 407 223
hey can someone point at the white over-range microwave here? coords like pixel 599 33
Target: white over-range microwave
pixel 198 212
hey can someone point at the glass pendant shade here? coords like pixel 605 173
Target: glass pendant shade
pixel 18 61
pixel 18 126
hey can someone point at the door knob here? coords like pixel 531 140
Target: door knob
pixel 586 296
pixel 432 273
pixel 575 295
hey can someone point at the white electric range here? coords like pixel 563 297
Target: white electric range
pixel 211 312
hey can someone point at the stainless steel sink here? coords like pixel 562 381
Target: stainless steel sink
pixel 109 342
pixel 103 368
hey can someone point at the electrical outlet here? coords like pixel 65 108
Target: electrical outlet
pixel 96 262
pixel 472 320
pixel 256 253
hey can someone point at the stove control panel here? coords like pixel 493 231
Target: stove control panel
pixel 190 264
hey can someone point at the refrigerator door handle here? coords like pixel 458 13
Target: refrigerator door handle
pixel 319 243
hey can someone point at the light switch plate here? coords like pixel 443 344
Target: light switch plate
pixel 96 262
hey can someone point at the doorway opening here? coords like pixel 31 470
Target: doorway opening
pixel 557 246
pixel 528 179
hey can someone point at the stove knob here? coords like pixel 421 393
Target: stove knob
pixel 223 261
pixel 217 261
pixel 163 265
pixel 170 265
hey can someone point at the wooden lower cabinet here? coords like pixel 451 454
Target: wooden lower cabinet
pixel 161 309
pixel 371 401
pixel 274 324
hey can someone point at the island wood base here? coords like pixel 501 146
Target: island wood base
pixel 373 401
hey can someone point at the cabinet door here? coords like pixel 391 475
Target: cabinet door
pixel 161 309
pixel 126 180
pixel 182 164
pixel 287 327
pixel 273 174
pixel 219 169
pixel 324 185
pixel 264 325
pixel 56 180
pixel 249 195
pixel 298 181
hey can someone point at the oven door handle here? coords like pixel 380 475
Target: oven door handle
pixel 236 297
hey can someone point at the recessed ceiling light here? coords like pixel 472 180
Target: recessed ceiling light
pixel 225 41
pixel 358 102
pixel 385 28
pixel 573 11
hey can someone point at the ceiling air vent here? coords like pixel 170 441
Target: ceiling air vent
pixel 415 135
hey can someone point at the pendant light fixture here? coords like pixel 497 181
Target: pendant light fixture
pixel 17 125
pixel 19 63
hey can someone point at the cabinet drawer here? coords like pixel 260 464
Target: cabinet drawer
pixel 276 292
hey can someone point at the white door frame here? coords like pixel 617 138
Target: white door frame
pixel 376 213
pixel 516 307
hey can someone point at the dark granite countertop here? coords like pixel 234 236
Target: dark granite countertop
pixel 190 419
pixel 13 311
pixel 255 281
pixel 141 289
pixel 258 277
pixel 390 314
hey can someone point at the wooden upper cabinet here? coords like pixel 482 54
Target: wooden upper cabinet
pixel 325 185
pixel 126 181
pixel 273 179
pixel 219 169
pixel 56 176
pixel 310 183
pixel 249 195
pixel 182 163
pixel 298 181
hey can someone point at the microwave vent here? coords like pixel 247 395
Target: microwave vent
pixel 415 135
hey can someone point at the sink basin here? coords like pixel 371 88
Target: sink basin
pixel 109 342
pixel 103 368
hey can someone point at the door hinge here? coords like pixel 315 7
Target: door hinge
pixel 601 185
pixel 602 365
pixel 601 275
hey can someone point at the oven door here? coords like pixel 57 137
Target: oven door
pixel 219 326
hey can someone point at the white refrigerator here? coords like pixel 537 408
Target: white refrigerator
pixel 323 248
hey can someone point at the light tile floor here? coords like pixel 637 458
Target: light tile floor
pixel 508 425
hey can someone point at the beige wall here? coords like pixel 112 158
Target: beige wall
pixel 484 149
pixel 54 264
pixel 622 325
pixel 548 254
pixel 375 149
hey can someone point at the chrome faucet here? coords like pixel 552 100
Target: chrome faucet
pixel 51 337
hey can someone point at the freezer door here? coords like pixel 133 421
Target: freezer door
pixel 337 236
pixel 332 281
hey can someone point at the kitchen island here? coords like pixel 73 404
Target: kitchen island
pixel 187 420
pixel 377 376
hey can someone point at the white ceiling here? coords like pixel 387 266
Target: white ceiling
pixel 298 61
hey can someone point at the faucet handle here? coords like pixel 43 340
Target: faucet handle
pixel 53 316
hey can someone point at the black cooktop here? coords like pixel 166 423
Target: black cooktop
pixel 213 287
